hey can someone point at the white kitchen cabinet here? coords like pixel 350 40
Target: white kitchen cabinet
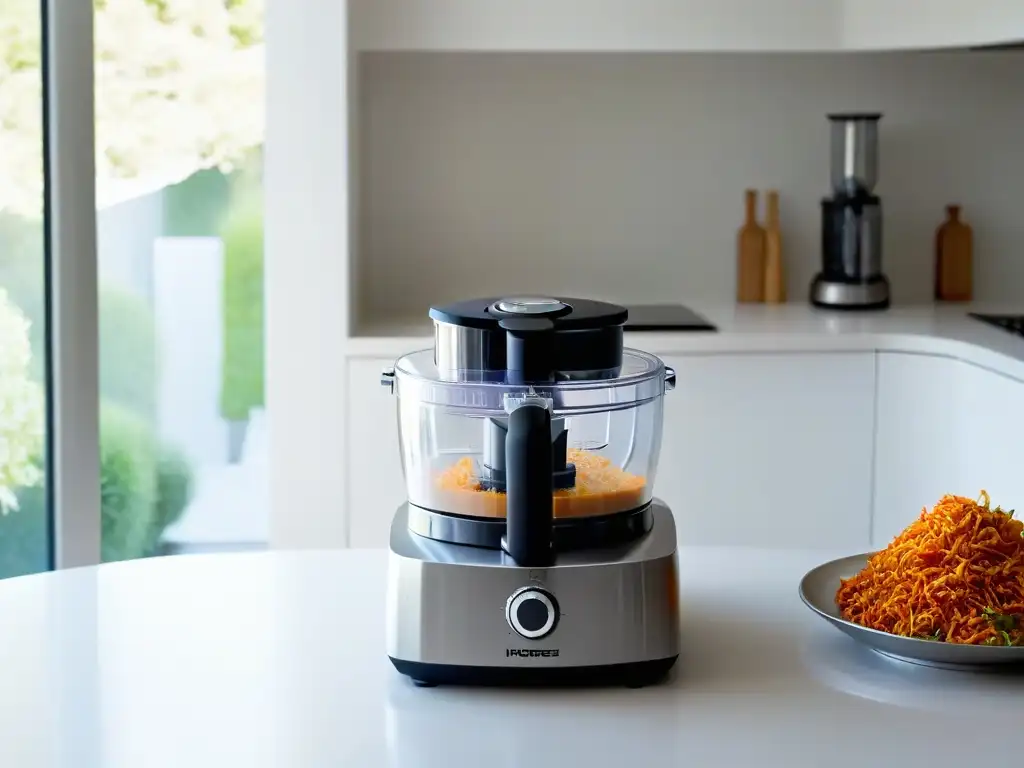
pixel 586 25
pixel 991 438
pixel 767 450
pixel 781 450
pixel 944 426
pixel 916 455
pixel 900 24
pixel 770 450
pixel 375 486
pixel 682 25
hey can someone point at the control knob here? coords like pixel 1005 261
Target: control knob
pixel 532 612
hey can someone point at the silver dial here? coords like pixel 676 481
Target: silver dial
pixel 532 612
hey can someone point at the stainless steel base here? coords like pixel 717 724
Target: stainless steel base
pixel 838 295
pixel 448 607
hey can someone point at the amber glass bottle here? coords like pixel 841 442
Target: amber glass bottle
pixel 954 258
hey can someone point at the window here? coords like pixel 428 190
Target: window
pixel 132 404
pixel 25 524
pixel 179 100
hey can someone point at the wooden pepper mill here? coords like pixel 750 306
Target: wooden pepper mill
pixel 954 258
pixel 774 274
pixel 750 259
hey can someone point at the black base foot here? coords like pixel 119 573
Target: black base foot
pixel 644 682
pixel 634 675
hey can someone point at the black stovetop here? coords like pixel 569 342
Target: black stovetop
pixel 1011 323
pixel 665 317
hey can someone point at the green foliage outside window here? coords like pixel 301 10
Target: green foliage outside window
pixel 22 413
pixel 145 486
pixel 242 235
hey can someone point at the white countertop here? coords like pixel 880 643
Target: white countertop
pixel 277 659
pixel 796 327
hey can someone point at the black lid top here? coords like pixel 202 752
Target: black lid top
pixel 566 314
pixel 850 117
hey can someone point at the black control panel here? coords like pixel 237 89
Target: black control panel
pixel 1012 323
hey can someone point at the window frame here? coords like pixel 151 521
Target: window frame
pixel 306 260
pixel 72 332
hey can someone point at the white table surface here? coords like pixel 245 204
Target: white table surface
pixel 278 659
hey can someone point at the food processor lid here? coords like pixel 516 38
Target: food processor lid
pixel 640 378
pixel 565 313
pixel 540 338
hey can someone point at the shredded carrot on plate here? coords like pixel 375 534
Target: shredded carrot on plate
pixel 955 575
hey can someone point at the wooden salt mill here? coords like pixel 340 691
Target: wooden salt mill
pixel 750 255
pixel 954 258
pixel 774 274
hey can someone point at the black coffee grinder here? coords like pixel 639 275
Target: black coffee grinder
pixel 851 220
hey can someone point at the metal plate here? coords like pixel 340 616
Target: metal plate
pixel 818 591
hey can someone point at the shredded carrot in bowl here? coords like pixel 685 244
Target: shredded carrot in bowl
pixel 601 489
pixel 955 575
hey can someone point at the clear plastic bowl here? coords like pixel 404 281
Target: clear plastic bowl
pixel 614 436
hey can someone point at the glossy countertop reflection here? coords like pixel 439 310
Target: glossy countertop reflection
pixel 277 659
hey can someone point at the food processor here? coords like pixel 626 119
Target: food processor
pixel 531 549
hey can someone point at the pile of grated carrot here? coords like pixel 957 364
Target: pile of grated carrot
pixel 601 489
pixel 956 575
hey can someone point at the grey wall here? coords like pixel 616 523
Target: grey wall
pixel 622 175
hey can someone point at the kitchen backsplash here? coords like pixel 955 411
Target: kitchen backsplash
pixel 622 175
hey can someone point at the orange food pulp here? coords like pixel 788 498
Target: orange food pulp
pixel 601 489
